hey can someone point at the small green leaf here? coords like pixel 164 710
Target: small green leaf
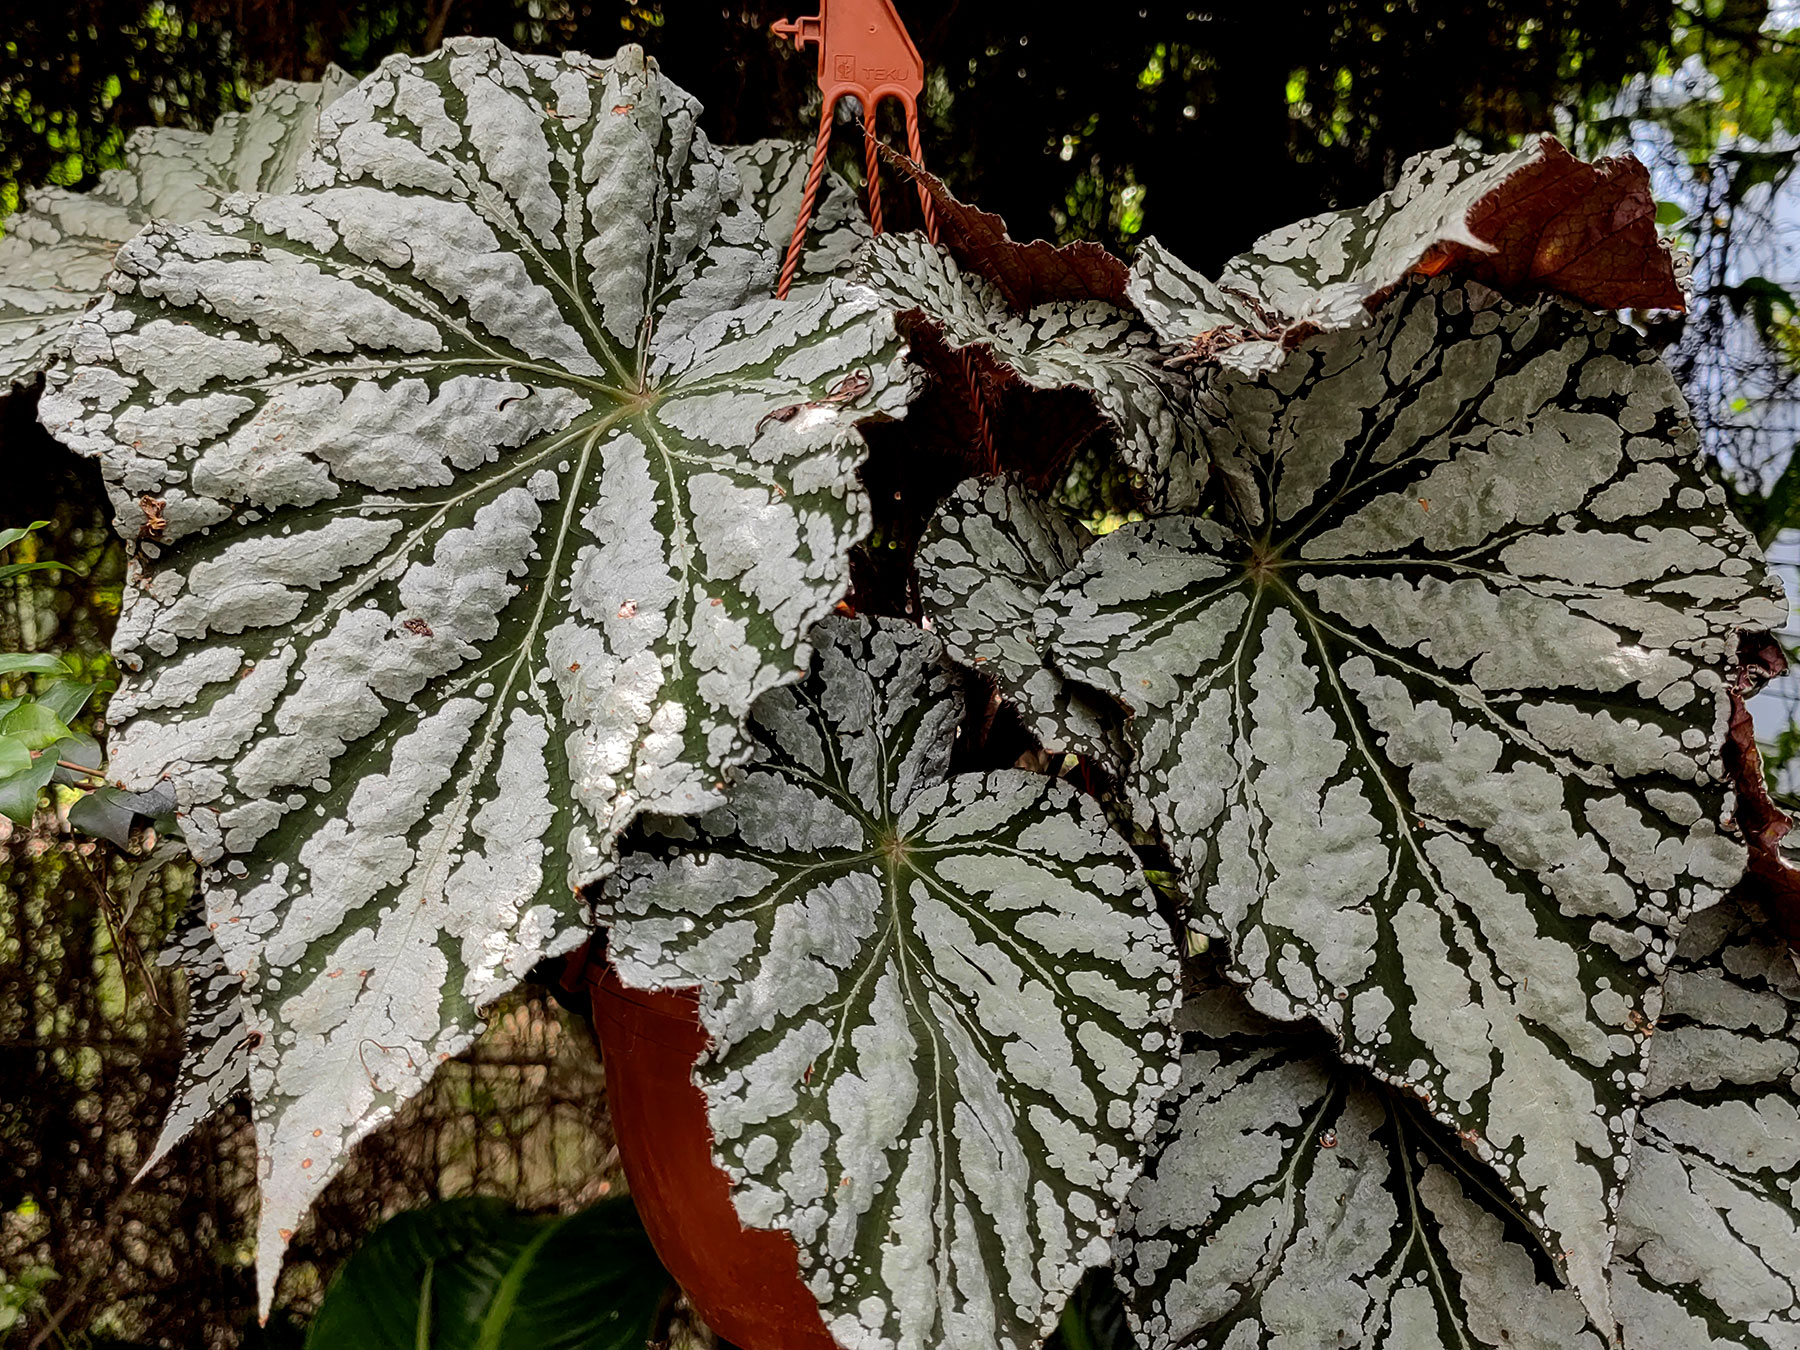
pixel 20 569
pixel 35 726
pixel 109 812
pixel 79 750
pixel 9 537
pixel 65 698
pixel 19 794
pixel 33 663
pixel 475 1275
pixel 1670 213
pixel 98 814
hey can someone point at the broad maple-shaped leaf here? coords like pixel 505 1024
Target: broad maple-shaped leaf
pixel 1291 1201
pixel 1432 722
pixel 215 1062
pixel 1087 345
pixel 1536 219
pixel 938 1005
pixel 474 517
pixel 57 251
pixel 773 173
pixel 984 563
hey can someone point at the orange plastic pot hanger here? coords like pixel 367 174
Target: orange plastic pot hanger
pixel 864 50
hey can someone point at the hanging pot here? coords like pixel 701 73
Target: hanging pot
pixel 743 1282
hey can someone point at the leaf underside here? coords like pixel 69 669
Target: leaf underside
pixel 1027 275
pixel 1433 728
pixel 57 251
pixel 938 1005
pixel 476 507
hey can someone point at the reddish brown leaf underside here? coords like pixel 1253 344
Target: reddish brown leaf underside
pixel 1587 231
pixel 1037 273
pixel 1770 882
pixel 975 407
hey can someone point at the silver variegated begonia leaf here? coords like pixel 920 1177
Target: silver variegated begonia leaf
pixel 774 177
pixel 1708 1253
pixel 938 1005
pixel 1291 1202
pixel 215 1062
pixel 474 515
pixel 1434 730
pixel 984 563
pixel 1319 272
pixel 57 251
pixel 1089 344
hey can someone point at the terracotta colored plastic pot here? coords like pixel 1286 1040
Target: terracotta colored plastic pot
pixel 745 1282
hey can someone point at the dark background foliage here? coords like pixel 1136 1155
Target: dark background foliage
pixel 1205 125
pixel 1225 120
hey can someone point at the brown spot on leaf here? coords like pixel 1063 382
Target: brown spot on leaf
pixel 155 522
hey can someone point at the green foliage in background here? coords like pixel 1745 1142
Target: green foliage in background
pixel 477 1274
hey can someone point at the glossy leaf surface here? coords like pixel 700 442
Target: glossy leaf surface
pixel 473 1274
